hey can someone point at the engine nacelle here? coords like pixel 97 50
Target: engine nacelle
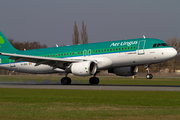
pixel 124 71
pixel 84 68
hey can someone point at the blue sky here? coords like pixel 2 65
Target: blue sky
pixel 51 21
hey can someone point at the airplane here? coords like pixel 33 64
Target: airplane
pixel 121 57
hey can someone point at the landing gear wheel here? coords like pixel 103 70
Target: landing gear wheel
pixel 66 81
pixel 149 76
pixel 94 80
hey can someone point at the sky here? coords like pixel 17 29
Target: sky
pixel 51 21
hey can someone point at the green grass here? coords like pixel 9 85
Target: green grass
pixel 88 104
pixel 85 80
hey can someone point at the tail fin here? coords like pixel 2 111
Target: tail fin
pixel 5 45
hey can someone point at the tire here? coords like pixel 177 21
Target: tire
pixel 149 76
pixel 65 81
pixel 94 80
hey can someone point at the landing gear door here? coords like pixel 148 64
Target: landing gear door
pixel 141 46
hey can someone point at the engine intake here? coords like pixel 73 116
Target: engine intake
pixel 84 68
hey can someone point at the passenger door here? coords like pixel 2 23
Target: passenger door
pixel 141 46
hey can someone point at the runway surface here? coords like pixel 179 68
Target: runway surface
pixel 95 87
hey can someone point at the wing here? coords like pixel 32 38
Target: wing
pixel 54 62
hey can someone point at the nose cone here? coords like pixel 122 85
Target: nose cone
pixel 172 53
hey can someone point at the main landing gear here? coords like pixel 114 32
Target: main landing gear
pixel 67 81
pixel 94 80
pixel 149 75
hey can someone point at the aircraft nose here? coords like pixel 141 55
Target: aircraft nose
pixel 173 53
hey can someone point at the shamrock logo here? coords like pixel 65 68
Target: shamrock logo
pixel 1 40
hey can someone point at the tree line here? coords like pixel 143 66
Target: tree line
pixel 27 45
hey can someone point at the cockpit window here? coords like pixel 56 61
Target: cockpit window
pixel 164 44
pixel 154 45
pixel 159 45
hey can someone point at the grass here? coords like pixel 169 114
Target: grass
pixel 87 104
pixel 52 104
pixel 85 80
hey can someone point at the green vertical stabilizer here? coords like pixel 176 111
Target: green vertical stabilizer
pixel 5 45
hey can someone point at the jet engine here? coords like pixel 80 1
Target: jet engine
pixel 84 68
pixel 124 71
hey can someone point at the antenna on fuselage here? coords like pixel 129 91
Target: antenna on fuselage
pixel 144 36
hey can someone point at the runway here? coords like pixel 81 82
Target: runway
pixel 95 87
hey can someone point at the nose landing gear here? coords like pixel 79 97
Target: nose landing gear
pixel 149 75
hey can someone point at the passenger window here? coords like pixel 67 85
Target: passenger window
pixel 159 45
pixel 154 45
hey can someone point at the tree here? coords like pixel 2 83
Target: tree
pixel 84 35
pixel 75 36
